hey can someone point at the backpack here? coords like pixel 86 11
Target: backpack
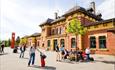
pixel 43 55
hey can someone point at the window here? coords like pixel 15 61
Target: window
pixel 105 25
pixel 48 43
pixel 92 42
pixel 102 42
pixel 56 30
pixel 38 43
pixel 62 43
pixel 96 26
pixel 73 43
pixel 88 27
pixel 52 31
pixel 43 29
pixel 60 30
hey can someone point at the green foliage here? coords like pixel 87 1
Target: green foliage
pixel 23 41
pixel 9 42
pixel 0 42
pixel 6 42
pixel 75 27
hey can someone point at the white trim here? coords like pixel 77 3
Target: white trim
pixel 97 35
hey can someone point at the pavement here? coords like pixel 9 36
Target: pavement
pixel 11 61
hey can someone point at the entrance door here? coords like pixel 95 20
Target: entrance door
pixel 55 43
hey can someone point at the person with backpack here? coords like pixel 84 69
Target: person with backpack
pixel 22 49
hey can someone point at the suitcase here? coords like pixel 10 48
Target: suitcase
pixel 15 51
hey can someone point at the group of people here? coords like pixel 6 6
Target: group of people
pixel 62 53
pixel 32 54
pixel 73 54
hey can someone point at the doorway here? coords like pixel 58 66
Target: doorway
pixel 55 42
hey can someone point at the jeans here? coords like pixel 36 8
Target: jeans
pixel 22 54
pixel 32 58
pixel 87 57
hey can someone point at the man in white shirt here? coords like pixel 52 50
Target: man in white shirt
pixel 87 51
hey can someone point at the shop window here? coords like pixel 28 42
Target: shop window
pixel 102 42
pixel 73 43
pixel 92 42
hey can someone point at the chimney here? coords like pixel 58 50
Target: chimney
pixel 93 7
pixel 56 15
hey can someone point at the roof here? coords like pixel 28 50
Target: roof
pixel 83 10
pixel 48 21
pixel 100 22
pixel 26 36
pixel 59 19
pixel 35 35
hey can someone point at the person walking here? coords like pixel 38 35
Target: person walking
pixel 2 47
pixel 32 55
pixel 22 49
pixel 58 53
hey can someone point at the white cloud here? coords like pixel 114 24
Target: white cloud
pixel 24 16
pixel 107 9
pixel 23 20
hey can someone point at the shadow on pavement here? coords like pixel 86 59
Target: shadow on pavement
pixel 46 67
pixel 107 62
pixel 3 54
pixel 25 58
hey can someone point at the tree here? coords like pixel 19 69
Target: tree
pixel 17 40
pixel 76 28
pixel 9 42
pixel 0 42
pixel 6 43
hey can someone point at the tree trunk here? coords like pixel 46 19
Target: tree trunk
pixel 80 42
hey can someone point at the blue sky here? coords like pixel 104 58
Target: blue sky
pixel 24 16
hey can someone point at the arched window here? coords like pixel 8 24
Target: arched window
pixel 102 42
pixel 92 42
pixel 73 43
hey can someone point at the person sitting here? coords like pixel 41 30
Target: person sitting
pixel 78 55
pixel 66 53
pixel 72 55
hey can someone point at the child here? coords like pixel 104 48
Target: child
pixel 43 56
